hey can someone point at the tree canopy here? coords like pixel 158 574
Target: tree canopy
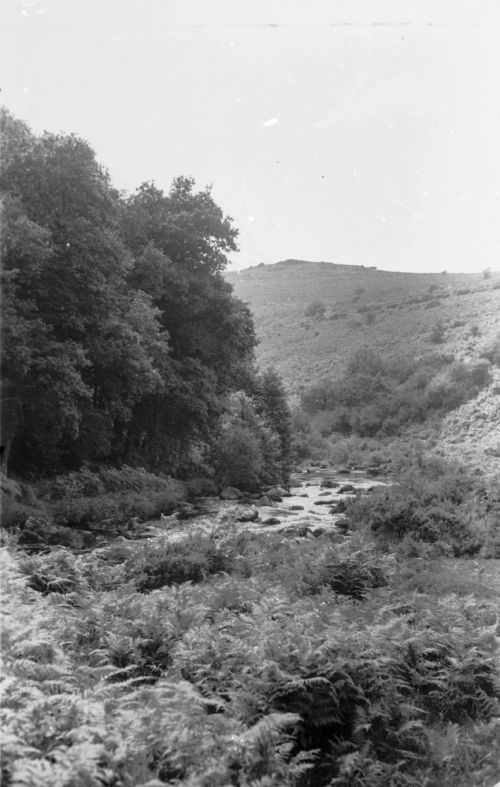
pixel 121 337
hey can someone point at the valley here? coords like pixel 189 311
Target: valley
pixel 250 521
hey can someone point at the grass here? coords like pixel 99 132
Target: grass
pixel 278 294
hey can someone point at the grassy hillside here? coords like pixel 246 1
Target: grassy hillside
pixel 405 308
pixel 395 314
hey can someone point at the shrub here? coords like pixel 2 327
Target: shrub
pixel 200 487
pixel 480 374
pixel 112 511
pixel 438 333
pixel 382 396
pixel 316 310
pixel 238 458
pixel 190 560
pixel 430 502
pixel 88 483
pixel 352 577
pixel 491 351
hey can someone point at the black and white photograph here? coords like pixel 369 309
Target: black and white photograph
pixel 250 393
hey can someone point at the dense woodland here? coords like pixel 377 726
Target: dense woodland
pixel 122 341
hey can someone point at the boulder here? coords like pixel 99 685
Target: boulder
pixel 324 502
pixel 373 471
pixel 345 488
pixel 296 508
pixel 327 484
pixel 343 525
pixel 343 470
pixel 272 520
pixel 318 531
pixel 248 516
pixel 302 531
pixel 277 493
pixel 230 493
pixel 265 500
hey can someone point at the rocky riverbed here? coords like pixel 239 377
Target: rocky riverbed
pixel 313 503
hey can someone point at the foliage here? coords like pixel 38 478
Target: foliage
pixel 438 333
pixel 378 396
pixel 431 501
pixel 315 309
pixel 241 679
pixel 121 337
pixel 190 560
pixel 254 444
pixel 491 351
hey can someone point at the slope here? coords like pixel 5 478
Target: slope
pixel 395 314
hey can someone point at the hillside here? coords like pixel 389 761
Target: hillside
pixel 395 314
pixel 405 307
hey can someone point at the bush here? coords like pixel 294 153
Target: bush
pixel 114 511
pixel 430 502
pixel 238 458
pixel 316 310
pixel 191 560
pixel 352 577
pixel 480 374
pixel 438 333
pixel 88 483
pixel 200 487
pixel 491 351
pixel 380 397
pixel 19 502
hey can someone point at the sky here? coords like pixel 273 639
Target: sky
pixel 364 132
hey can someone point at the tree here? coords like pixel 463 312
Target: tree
pixel 78 343
pixel 121 337
pixel 179 241
pixel 272 405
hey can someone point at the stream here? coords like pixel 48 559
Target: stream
pixel 313 503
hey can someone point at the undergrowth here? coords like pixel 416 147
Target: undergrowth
pixel 247 659
pixel 105 499
pixel 435 502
